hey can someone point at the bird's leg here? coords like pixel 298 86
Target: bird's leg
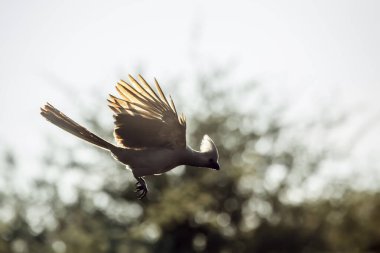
pixel 141 188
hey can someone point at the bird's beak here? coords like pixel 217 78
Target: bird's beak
pixel 215 166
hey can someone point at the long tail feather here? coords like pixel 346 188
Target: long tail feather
pixel 59 119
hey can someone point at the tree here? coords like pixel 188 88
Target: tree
pixel 246 207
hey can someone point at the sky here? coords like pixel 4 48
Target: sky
pixel 307 52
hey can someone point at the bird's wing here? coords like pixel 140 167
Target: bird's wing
pixel 145 118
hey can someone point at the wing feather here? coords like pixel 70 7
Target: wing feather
pixel 162 95
pixel 144 118
pixel 173 106
pixel 140 89
pixel 148 88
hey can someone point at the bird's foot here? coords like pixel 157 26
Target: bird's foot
pixel 141 188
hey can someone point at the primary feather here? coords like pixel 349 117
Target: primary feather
pixel 144 118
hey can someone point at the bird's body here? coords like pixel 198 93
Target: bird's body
pixel 150 135
pixel 155 161
pixel 150 161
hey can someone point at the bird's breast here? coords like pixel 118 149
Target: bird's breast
pixel 148 161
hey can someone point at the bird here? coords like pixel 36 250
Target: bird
pixel 150 135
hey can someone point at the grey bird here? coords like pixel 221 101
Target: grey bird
pixel 150 134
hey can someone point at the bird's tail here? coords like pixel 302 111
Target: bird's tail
pixel 62 121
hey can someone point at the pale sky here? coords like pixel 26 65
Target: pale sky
pixel 327 48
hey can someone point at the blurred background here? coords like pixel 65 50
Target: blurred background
pixel 288 90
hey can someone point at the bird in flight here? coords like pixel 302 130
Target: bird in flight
pixel 150 134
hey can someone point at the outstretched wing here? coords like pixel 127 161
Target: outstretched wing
pixel 144 119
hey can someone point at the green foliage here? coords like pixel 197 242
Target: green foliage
pixel 237 209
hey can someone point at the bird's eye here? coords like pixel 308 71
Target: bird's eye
pixel 210 160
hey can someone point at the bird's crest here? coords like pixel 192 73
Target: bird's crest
pixel 207 145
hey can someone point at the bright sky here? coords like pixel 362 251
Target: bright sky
pixel 326 47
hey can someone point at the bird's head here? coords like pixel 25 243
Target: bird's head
pixel 210 153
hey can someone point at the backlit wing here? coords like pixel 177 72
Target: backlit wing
pixel 145 118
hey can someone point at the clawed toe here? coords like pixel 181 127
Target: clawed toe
pixel 141 193
pixel 141 189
